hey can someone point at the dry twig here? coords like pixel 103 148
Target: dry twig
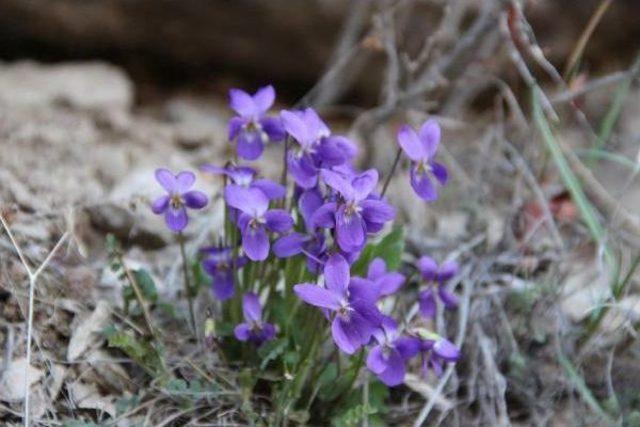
pixel 33 278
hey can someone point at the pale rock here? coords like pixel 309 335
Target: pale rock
pixel 415 211
pixel 624 312
pixel 110 373
pixel 88 332
pixel 38 403
pixel 586 287
pixel 12 381
pixel 83 85
pixel 495 226
pixel 453 225
pixel 87 397
pixel 55 380
pixel 196 123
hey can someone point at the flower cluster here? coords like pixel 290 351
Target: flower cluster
pixel 326 218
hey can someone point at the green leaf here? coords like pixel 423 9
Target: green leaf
pixel 168 309
pixel 291 357
pixel 127 293
pixel 341 386
pixel 126 403
pixel 328 375
pixel 352 416
pixel 378 395
pixel 140 351
pixel 247 380
pixel 633 419
pixel 294 270
pixel 196 386
pixel 112 243
pixel 389 248
pixel 225 329
pixel 271 351
pixel 146 284
pixel 176 385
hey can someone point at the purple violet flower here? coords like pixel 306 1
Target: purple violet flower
pixel 179 197
pixel 421 149
pixel 436 351
pixel 218 263
pixel 311 242
pixel 316 147
pixel 251 127
pixel 386 282
pixel 246 177
pixel 253 329
pixel 387 358
pixel 355 212
pixel 351 298
pixel 255 219
pixel 437 276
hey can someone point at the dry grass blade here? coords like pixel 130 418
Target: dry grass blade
pixel 33 278
pixel 585 36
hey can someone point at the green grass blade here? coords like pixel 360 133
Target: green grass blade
pixel 586 209
pixel 594 153
pixel 613 113
pixel 581 387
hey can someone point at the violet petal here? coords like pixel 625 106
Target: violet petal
pixel 195 199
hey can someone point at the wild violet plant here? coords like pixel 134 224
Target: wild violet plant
pixel 303 267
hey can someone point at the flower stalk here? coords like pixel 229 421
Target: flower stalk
pixel 188 287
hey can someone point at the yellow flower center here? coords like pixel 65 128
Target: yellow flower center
pixel 176 200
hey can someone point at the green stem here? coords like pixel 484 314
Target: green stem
pixel 225 212
pixel 285 166
pixel 365 402
pixel 285 171
pixel 236 305
pixel 359 364
pixel 249 277
pixel 188 289
pixel 293 392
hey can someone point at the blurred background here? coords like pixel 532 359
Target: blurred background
pixel 207 46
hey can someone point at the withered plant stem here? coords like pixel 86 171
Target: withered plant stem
pixel 138 293
pixel 393 170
